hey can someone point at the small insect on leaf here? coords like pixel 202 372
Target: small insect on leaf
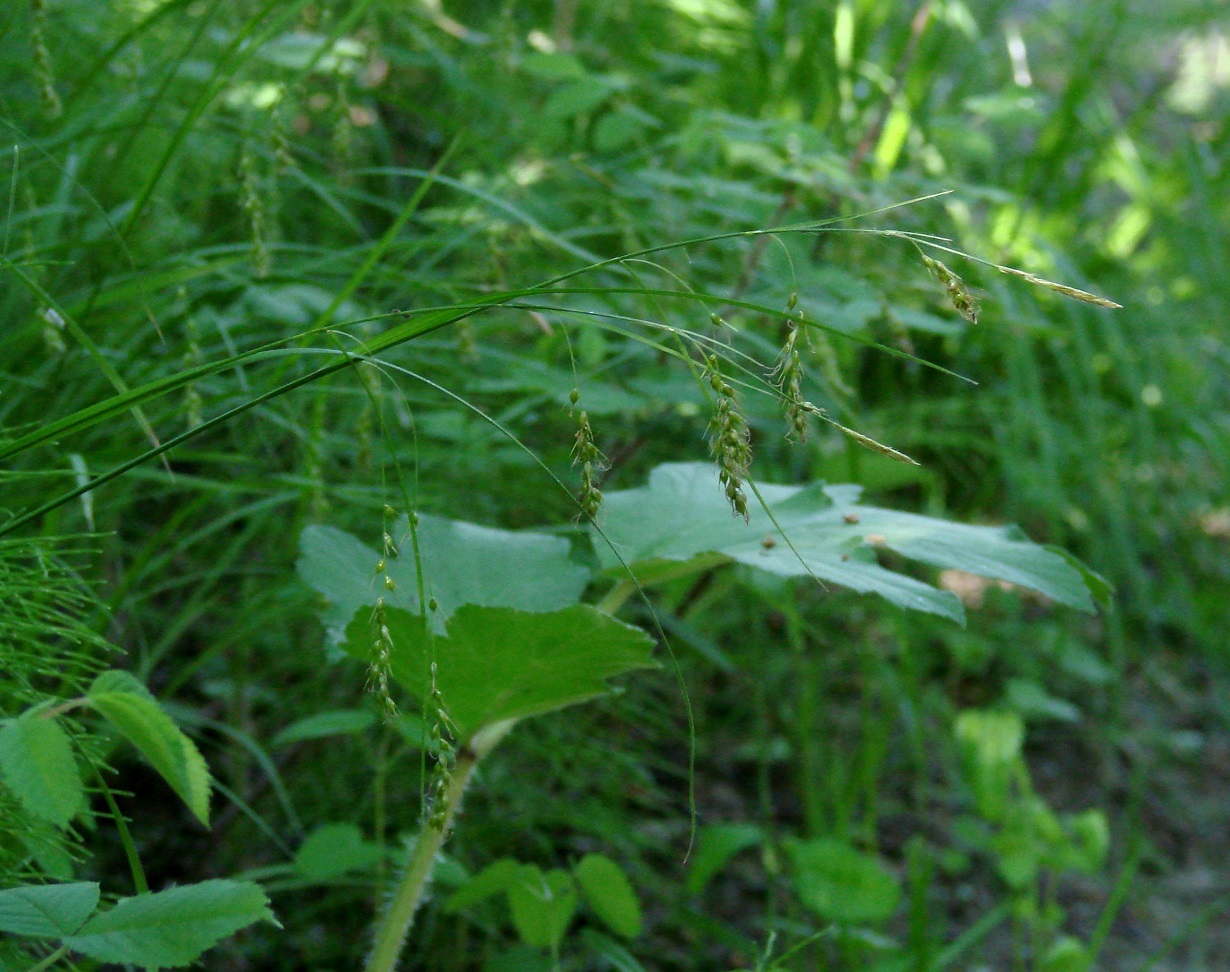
pixel 768 543
pixel 850 517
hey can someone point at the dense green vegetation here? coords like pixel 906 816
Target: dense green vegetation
pixel 757 541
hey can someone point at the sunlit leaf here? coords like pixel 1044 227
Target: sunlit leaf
pixel 463 563
pixel 825 532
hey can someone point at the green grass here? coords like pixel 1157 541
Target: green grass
pixel 274 265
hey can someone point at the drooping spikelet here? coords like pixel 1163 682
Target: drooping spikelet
pixel 443 744
pixel 593 462
pixel 253 202
pixel 380 662
pixel 730 440
pixel 958 293
pixel 787 375
pixel 44 73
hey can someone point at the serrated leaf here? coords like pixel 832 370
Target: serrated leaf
pixel 715 846
pixel 116 680
pixel 334 849
pixel 841 883
pixel 463 563
pixel 492 879
pixel 37 765
pixel 542 905
pixel 136 715
pixel 681 514
pixel 607 890
pixel 47 910
pixel 340 722
pixel 171 928
pixel 500 663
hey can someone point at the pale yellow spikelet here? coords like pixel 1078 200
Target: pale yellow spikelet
pixel 1081 295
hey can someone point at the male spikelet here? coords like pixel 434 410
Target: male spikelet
pixel 444 746
pixel 593 462
pixel 44 73
pixel 380 661
pixel 730 440
pixel 787 375
pixel 253 203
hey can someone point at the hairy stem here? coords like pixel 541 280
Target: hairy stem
pixel 391 937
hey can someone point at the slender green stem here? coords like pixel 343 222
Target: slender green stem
pixel 614 599
pixel 391 936
pixel 139 882
pixel 50 960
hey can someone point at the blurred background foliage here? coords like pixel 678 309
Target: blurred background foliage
pixel 190 179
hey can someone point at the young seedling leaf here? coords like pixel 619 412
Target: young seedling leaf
pixel 37 765
pixel 681 515
pixel 990 745
pixel 47 910
pixel 618 957
pixel 134 712
pixel 607 890
pixel 492 879
pixel 495 663
pixel 715 846
pixel 171 928
pixel 333 850
pixel 542 905
pixel 463 563
pixel 341 722
pixel 843 884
